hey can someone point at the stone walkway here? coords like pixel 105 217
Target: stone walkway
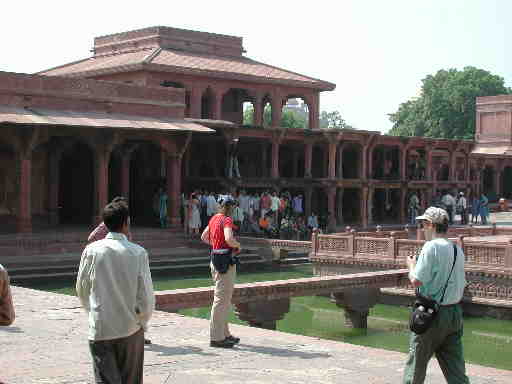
pixel 47 344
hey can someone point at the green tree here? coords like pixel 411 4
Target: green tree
pixel 292 119
pixel 332 120
pixel 446 107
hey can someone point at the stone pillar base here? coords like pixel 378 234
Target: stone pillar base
pixel 356 319
pixel 263 313
pixel 356 302
pixel 24 225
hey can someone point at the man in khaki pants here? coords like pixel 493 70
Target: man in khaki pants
pixel 219 235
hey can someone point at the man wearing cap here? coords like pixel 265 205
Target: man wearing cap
pixel 219 236
pixel 438 266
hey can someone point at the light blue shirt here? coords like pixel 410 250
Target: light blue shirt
pixel 433 268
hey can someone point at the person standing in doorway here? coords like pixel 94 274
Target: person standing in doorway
pixel 194 222
pixel 462 208
pixel 7 314
pixel 162 208
pixel 115 288
pixel 439 274
pixel 484 208
pixel 218 234
pixel 414 206
pixel 475 209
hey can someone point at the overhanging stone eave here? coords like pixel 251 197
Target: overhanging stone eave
pixel 320 86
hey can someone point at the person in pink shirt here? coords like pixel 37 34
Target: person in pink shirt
pixel 265 203
pixel 101 230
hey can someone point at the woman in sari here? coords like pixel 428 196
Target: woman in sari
pixel 484 208
pixel 194 221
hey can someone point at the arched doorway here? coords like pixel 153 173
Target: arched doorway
pixel 506 182
pixel 488 183
pixel 351 156
pixel 146 177
pixel 76 185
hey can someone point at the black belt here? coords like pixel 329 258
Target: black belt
pixel 449 305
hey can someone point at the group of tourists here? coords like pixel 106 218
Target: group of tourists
pixel 454 205
pixel 264 213
pixel 115 288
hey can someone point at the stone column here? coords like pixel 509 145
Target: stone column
pixel 331 207
pixel 339 206
pixel 363 205
pixel 452 164
pixel 403 205
pixel 497 181
pixel 277 106
pixel 370 162
pixel 332 160
pixel 314 111
pixel 53 185
pixel 339 165
pixel 308 158
pixel 429 172
pixel 371 193
pixel 403 163
pixel 275 159
pixel 102 158
pixel 24 214
pixel 364 165
pixel 308 193
pixel 196 95
pixel 125 174
pixel 357 303
pixel 263 313
pixel 258 110
pixel 217 103
pixel 174 189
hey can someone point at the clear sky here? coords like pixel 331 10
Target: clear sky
pixel 375 51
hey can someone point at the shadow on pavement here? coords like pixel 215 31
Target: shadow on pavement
pixel 163 350
pixel 288 352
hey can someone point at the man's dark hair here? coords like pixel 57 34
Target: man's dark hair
pixel 115 215
pixel 442 227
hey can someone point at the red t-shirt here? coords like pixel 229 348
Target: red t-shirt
pixel 216 229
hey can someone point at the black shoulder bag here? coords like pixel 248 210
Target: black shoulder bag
pixel 424 310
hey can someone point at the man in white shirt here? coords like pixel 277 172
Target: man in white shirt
pixel 115 288
pixel 211 207
pixel 462 208
pixel 449 204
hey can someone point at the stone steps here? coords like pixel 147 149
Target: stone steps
pixel 66 269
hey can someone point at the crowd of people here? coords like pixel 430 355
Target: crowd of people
pixel 115 287
pixel 454 205
pixel 267 214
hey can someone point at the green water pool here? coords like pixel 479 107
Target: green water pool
pixel 486 341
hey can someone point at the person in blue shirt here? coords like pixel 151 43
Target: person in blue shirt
pixel 484 208
pixel 430 273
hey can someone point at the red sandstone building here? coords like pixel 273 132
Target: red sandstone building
pixel 163 104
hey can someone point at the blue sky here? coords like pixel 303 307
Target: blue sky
pixel 375 51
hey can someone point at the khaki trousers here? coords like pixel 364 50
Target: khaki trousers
pixel 224 285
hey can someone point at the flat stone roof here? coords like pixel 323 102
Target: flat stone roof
pixel 47 344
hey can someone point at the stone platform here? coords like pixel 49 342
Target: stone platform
pixel 47 344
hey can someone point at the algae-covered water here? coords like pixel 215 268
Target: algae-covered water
pixel 486 341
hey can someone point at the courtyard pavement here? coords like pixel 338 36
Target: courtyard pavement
pixel 47 344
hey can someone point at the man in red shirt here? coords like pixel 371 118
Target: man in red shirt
pixel 219 235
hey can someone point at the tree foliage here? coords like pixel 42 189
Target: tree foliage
pixel 293 119
pixel 332 120
pixel 446 107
